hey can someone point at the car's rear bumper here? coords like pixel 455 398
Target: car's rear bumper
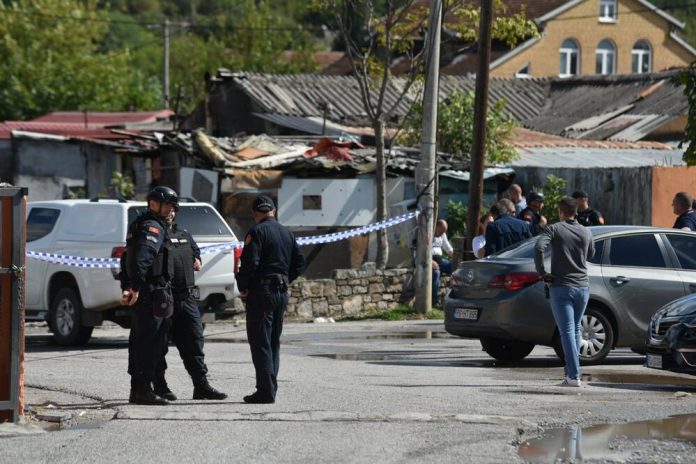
pixel 524 316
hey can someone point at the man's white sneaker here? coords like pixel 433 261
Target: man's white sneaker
pixel 568 382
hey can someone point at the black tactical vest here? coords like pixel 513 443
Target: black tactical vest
pixel 156 274
pixel 179 258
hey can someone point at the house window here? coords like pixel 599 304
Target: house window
pixel 570 58
pixel 605 57
pixel 607 11
pixel 524 71
pixel 311 202
pixel 641 57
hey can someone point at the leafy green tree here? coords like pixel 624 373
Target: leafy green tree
pixel 392 29
pixel 554 190
pixel 688 79
pixel 456 218
pixel 50 60
pixel 455 126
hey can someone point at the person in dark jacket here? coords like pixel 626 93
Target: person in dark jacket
pixel 587 216
pixel 532 213
pixel 682 207
pixel 145 290
pixel 184 257
pixel 505 230
pixel 270 261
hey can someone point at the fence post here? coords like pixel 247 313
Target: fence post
pixel 13 205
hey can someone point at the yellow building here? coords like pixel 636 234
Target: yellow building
pixel 590 37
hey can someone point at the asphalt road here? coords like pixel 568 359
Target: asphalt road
pixel 352 392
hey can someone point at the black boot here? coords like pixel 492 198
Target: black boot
pixel 203 391
pixel 145 395
pixel 131 398
pixel 161 388
pixel 259 398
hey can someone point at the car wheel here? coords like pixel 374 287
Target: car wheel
pixel 506 350
pixel 65 318
pixel 597 338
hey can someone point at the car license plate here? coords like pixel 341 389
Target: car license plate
pixel 654 361
pixel 466 313
pixel 196 293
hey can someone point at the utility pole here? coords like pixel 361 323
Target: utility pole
pixel 426 173
pixel 165 64
pixel 478 146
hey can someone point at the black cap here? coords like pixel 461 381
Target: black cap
pixel 263 204
pixel 580 194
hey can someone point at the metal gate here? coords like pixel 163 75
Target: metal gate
pixel 13 207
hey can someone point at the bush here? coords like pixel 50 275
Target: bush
pixel 456 219
pixel 554 190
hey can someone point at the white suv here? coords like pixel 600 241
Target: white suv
pixel 75 299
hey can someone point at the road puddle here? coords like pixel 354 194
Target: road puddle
pixel 59 427
pixel 638 379
pixel 375 355
pixel 428 334
pixel 607 441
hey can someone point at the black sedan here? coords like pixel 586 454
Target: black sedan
pixel 671 343
pixel 635 271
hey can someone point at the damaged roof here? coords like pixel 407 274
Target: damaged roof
pixel 304 95
pixel 626 107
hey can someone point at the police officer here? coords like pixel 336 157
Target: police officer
pixel 587 216
pixel 532 213
pixel 183 257
pixel 144 287
pixel 271 259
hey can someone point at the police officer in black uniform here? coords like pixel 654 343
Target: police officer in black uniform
pixel 145 288
pixel 271 259
pixel 532 213
pixel 183 257
pixel 587 216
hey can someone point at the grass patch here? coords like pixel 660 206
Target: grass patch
pixel 402 313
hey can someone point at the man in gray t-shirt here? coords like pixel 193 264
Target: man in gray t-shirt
pixel 571 247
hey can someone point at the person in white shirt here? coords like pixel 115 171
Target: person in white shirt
pixel 479 242
pixel 441 265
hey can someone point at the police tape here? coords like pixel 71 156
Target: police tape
pixel 114 263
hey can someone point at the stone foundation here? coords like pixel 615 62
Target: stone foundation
pixel 352 291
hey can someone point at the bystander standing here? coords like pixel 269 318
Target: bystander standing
pixel 505 230
pixel 682 205
pixel 587 216
pixel 571 247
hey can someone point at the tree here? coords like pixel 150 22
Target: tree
pixel 50 60
pixel 392 29
pixel 455 123
pixel 688 79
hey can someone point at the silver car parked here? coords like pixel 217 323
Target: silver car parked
pixel 500 299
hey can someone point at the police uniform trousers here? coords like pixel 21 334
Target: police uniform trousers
pixel 148 337
pixel 187 335
pixel 265 310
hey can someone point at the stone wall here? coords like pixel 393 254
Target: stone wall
pixel 352 291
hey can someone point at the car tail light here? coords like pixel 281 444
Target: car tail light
pixel 515 281
pixel 237 257
pixel 117 252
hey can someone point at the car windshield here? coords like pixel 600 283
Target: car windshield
pixel 197 220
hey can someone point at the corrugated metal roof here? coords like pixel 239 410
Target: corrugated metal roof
pixel 84 124
pixel 524 138
pixel 304 94
pixel 584 100
pixel 588 158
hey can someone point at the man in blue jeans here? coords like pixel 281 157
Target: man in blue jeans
pixel 571 247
